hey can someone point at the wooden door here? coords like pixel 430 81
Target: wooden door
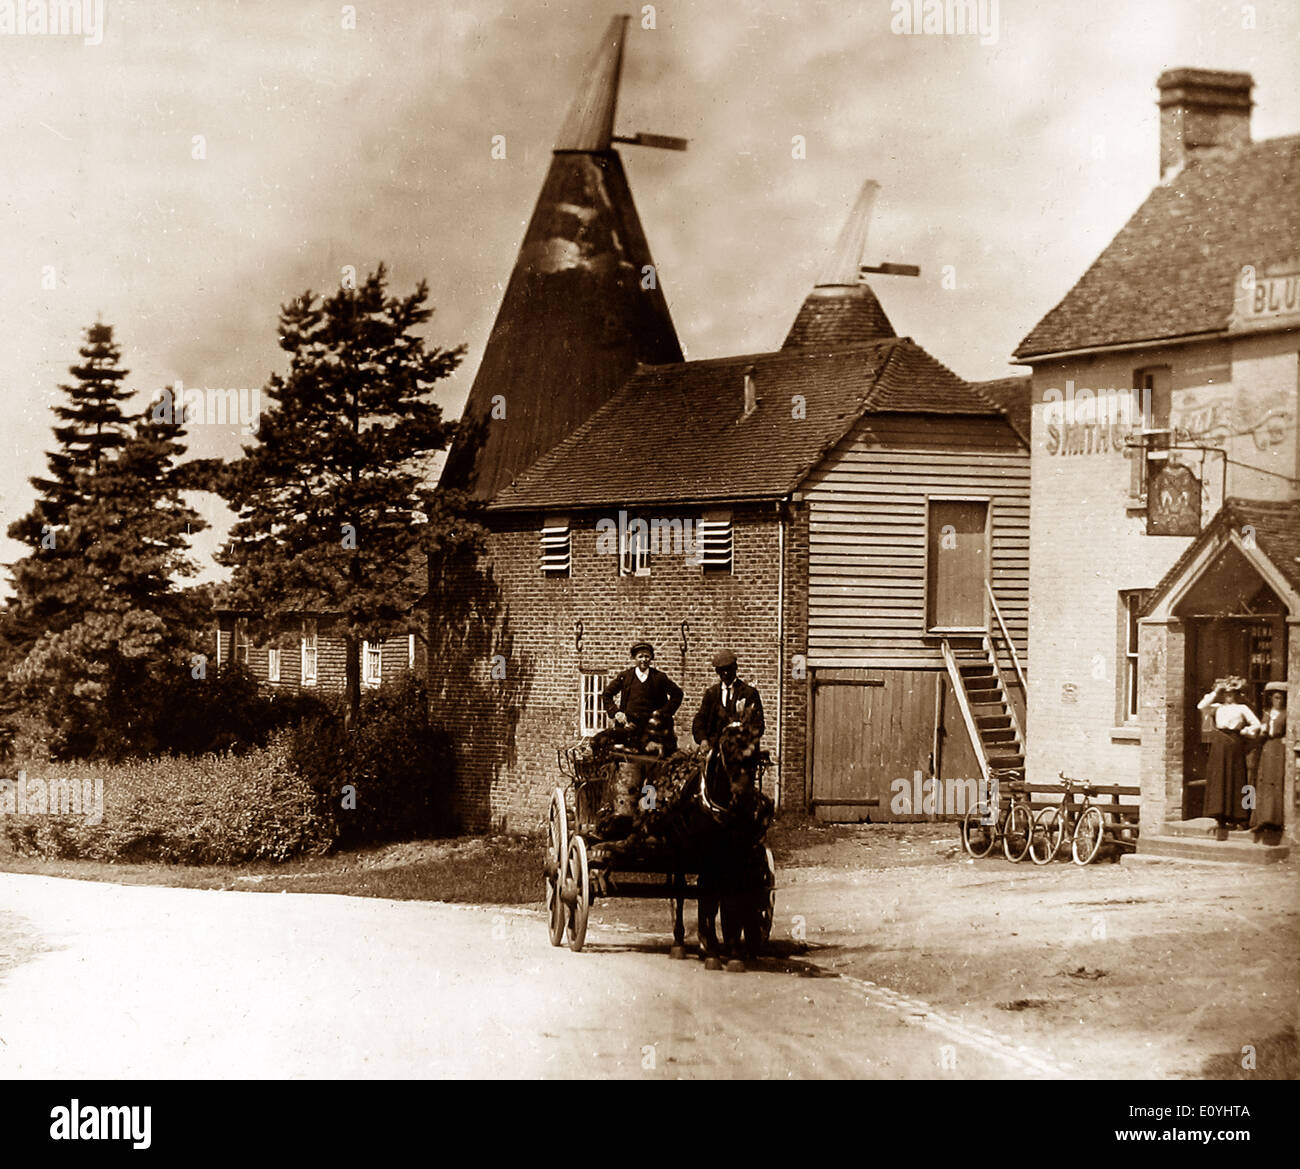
pixel 957 563
pixel 870 728
pixel 1215 649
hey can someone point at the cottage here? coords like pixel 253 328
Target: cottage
pixel 857 517
pixel 1167 559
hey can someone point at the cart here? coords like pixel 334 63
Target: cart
pixel 726 873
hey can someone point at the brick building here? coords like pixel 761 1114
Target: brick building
pixel 1166 467
pixel 313 657
pixel 844 512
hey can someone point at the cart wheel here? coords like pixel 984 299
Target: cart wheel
pixel 557 851
pixel 767 900
pixel 1088 835
pixel 577 892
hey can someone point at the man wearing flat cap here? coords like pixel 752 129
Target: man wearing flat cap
pixel 641 695
pixel 729 700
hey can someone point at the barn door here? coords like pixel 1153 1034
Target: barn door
pixel 956 563
pixel 869 728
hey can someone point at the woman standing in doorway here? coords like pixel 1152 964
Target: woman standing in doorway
pixel 1225 773
pixel 1272 763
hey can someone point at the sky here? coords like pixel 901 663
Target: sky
pixel 204 163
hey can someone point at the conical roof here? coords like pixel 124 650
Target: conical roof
pixel 582 308
pixel 841 310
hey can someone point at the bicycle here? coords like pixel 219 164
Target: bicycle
pixel 1051 824
pixel 979 836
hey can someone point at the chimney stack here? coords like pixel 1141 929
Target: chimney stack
pixel 1200 110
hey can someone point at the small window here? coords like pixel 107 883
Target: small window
pixel 1151 408
pixel 273 665
pixel 1130 605
pixel 715 542
pixel 240 651
pixel 634 548
pixel 592 715
pixel 410 652
pixel 557 546
pixel 372 659
pixel 309 653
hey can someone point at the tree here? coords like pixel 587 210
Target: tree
pixel 329 497
pixel 99 678
pixel 93 428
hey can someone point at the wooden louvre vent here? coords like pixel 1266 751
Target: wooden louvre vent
pixel 714 534
pixel 557 546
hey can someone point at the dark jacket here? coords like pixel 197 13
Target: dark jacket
pixel 658 694
pixel 713 717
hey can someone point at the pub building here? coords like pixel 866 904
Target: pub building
pixel 1165 476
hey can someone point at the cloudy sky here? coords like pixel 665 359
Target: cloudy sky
pixel 323 146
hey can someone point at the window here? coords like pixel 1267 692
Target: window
pixel 273 665
pixel 410 652
pixel 1151 391
pixel 634 548
pixel 1130 605
pixel 372 662
pixel 557 546
pixel 715 542
pixel 309 653
pixel 592 716
pixel 240 651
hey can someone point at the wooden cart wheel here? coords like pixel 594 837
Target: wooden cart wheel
pixel 769 903
pixel 577 892
pixel 557 852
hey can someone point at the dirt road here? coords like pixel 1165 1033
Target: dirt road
pixel 110 981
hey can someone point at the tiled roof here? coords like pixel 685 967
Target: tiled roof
pixel 1015 396
pixel 836 316
pixel 1273 525
pixel 677 433
pixel 1172 269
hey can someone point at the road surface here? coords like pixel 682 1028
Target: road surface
pixel 100 980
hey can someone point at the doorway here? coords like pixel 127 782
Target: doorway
pixel 956 564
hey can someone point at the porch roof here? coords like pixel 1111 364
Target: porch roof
pixel 1263 526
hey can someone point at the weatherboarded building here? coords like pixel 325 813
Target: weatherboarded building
pixel 844 512
pixel 1166 470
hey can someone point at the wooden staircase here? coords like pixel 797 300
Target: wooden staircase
pixel 990 718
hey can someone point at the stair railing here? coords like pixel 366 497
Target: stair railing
pixel 968 715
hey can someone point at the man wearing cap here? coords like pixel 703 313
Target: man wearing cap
pixel 644 699
pixel 641 693
pixel 729 700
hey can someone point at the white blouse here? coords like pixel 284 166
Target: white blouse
pixel 1230 716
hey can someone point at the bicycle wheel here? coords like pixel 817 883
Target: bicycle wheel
pixel 1047 836
pixel 1088 835
pixel 1016 832
pixel 977 838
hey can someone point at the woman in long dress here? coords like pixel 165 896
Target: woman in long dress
pixel 1271 771
pixel 1225 773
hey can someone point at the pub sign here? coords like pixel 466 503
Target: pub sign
pixel 1173 501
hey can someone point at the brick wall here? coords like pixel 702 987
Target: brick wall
pixel 507 724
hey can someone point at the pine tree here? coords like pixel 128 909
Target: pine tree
pixel 93 428
pixel 329 498
pixel 96 679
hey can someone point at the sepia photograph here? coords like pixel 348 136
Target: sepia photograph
pixel 628 542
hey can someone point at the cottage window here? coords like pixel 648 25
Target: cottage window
pixel 372 658
pixel 634 548
pixel 557 546
pixel 272 664
pixel 1130 604
pixel 309 653
pixel 1151 407
pixel 592 715
pixel 715 541
pixel 240 651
